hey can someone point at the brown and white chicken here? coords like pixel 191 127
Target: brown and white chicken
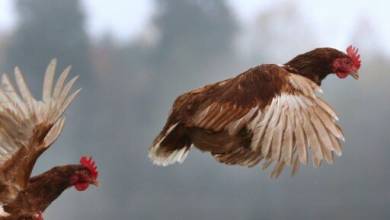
pixel 28 127
pixel 269 113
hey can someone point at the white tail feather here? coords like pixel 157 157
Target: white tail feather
pixel 3 213
pixel 162 158
pixel 178 155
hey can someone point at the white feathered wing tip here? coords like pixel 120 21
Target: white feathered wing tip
pixel 21 113
pixel 2 212
pixel 176 156
pixel 161 158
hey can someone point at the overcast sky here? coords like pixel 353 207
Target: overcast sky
pixel 125 19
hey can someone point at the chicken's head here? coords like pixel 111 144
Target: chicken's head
pixel 82 178
pixel 347 65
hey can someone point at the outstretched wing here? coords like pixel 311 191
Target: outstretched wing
pixel 29 126
pixel 295 123
pixel 280 110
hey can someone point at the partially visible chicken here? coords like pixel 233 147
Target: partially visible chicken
pixel 43 189
pixel 269 113
pixel 28 127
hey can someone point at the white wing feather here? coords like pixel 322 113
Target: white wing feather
pixel 21 113
pixel 295 124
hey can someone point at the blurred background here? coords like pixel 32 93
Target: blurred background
pixel 135 57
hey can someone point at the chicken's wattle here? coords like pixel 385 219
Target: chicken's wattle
pixel 342 75
pixel 81 186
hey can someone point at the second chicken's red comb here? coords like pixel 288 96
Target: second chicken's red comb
pixel 90 164
pixel 352 52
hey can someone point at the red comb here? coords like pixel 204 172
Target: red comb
pixel 90 164
pixel 352 52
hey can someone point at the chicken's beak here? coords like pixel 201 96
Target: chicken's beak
pixel 95 183
pixel 355 75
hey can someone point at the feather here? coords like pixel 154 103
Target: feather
pixel 295 166
pixel 54 132
pixel 260 126
pixel 266 164
pixel 48 81
pixel 278 169
pixel 326 108
pixel 68 101
pixel 329 124
pixel 64 93
pixel 312 137
pixel 235 126
pixel 327 155
pixel 12 98
pixel 3 213
pixel 287 141
pixel 60 82
pixel 336 146
pixel 211 113
pixel 200 117
pixel 24 91
pixel 219 113
pixel 323 134
pixel 270 127
pixel 301 141
pixel 277 137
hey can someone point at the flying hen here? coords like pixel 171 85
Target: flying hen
pixel 269 113
pixel 28 127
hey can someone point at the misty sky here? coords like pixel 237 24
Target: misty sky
pixel 126 19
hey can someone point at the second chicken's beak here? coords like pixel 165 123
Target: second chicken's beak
pixel 95 183
pixel 355 75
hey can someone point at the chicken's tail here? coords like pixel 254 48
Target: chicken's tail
pixel 3 214
pixel 170 146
